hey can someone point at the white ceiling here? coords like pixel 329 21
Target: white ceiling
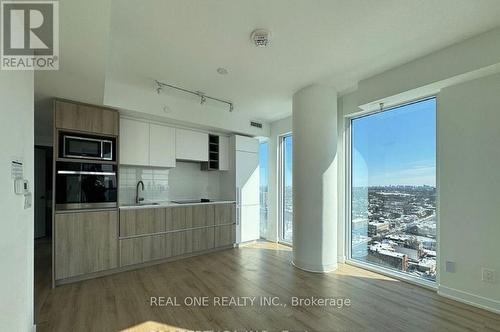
pixel 334 42
pixel 183 42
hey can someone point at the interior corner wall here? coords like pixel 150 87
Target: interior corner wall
pixel 16 244
pixel 277 128
pixel 468 160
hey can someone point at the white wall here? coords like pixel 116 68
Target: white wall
pixel 463 77
pixel 16 244
pixel 277 128
pixel 469 188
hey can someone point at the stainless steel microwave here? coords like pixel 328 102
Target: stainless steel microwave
pixel 87 147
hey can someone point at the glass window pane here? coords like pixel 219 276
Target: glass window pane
pixel 287 226
pixel 263 167
pixel 393 193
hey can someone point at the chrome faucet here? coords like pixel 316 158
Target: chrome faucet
pixel 138 199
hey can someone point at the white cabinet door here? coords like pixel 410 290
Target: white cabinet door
pixel 247 177
pixel 134 142
pixel 161 146
pixel 250 222
pixel 191 145
pixel 223 153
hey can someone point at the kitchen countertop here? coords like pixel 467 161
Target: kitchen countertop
pixel 168 204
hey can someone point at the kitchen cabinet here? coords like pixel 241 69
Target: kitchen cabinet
pixel 225 225
pixel 224 235
pixel 246 164
pixel 146 144
pixel 148 234
pixel 86 118
pixel 134 142
pixel 203 239
pixel 161 146
pixel 224 164
pixel 142 221
pixel 85 242
pixel 191 145
pixel 142 249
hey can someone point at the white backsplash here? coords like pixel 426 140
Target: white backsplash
pixel 185 181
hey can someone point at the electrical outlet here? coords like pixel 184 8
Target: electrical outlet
pixel 488 275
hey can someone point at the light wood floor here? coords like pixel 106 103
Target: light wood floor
pixel 121 302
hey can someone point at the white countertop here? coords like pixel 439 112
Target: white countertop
pixel 168 204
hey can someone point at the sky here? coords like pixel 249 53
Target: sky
pixel 395 147
pixel 263 161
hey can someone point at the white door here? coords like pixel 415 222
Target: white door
pixel 247 187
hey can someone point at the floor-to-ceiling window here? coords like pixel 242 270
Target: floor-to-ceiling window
pixel 393 189
pixel 286 189
pixel 264 187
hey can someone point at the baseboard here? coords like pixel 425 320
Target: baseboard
pixel 314 268
pixel 470 299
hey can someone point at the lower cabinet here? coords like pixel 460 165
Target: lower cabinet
pixel 225 235
pixel 142 249
pixel 85 242
pixel 181 231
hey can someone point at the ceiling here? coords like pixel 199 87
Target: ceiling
pixel 183 42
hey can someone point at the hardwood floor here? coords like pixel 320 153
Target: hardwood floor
pixel 121 302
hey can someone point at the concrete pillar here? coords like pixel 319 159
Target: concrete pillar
pixel 315 179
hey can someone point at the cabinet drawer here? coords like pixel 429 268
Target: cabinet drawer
pixel 182 242
pixel 224 235
pixel 182 218
pixel 142 249
pixel 142 221
pixel 203 239
pixel 85 242
pixel 203 215
pixel 225 214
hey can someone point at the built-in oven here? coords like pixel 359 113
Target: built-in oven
pixel 85 186
pixel 87 147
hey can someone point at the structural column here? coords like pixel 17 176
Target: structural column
pixel 315 179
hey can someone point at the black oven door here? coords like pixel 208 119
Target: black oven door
pixel 85 186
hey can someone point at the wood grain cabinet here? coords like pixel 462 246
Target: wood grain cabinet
pixel 159 233
pixel 86 118
pixel 142 249
pixel 85 242
pixel 225 235
pixel 225 225
pixel 142 221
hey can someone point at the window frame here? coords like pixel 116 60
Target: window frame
pixel 348 119
pixel 281 188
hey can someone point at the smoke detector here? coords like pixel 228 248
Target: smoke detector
pixel 260 37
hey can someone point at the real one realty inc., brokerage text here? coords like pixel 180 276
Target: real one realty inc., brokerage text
pixel 244 301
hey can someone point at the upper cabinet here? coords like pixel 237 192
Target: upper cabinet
pixel 145 144
pixel 191 145
pixel 161 146
pixel 134 142
pixel 224 153
pixel 86 118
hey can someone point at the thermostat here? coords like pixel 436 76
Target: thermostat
pixel 21 186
